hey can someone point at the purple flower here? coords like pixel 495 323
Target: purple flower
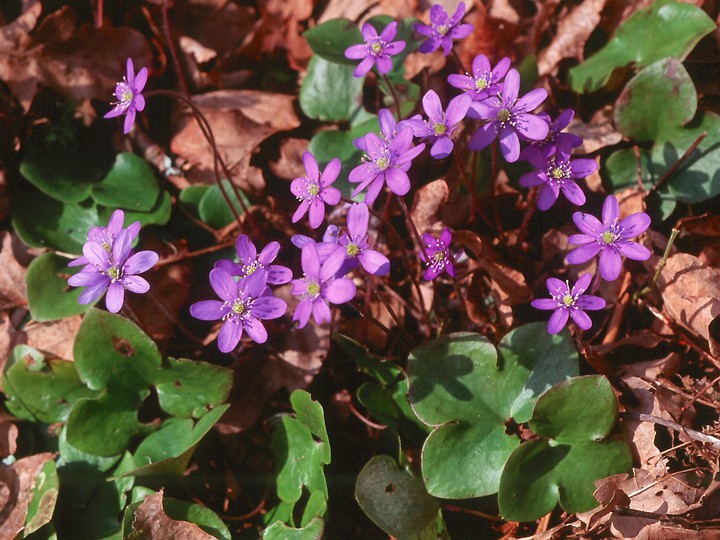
pixel 105 236
pixel 376 49
pixel 129 97
pixel 319 286
pixel 386 159
pixel 357 247
pixel 250 261
pixel 440 126
pixel 557 173
pixel 554 139
pixel 314 190
pixel 611 238
pixel 484 81
pixel 569 303
pixel 114 270
pixel 507 117
pixel 242 305
pixel 439 258
pixel 443 30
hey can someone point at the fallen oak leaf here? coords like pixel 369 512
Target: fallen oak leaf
pixel 152 523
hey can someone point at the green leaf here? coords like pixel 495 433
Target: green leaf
pixel 280 531
pixel 42 391
pixel 301 449
pixel 41 221
pixel 642 111
pixel 562 467
pixel 213 208
pixel 330 92
pixel 130 184
pixel 49 295
pixel 54 166
pixel 159 214
pixel 190 198
pixel 104 426
pixel 190 388
pixel 394 499
pixel 642 40
pixel 72 457
pixel 330 39
pixel 467 390
pixel 44 496
pixel 166 452
pixel 110 351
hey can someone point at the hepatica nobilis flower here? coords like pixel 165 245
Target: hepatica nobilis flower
pixel 113 268
pixel 610 238
pixel 314 190
pixel 440 125
pixel 357 247
pixel 484 81
pixel 105 236
pixel 556 174
pixel 129 96
pixel 439 258
pixel 442 29
pixel 320 287
pixel 555 138
pixel 386 160
pixel 377 49
pixel 251 261
pixel 242 307
pixel 569 302
pixel 507 116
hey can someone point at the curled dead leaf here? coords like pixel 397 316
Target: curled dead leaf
pixel 427 204
pixel 17 483
pixel 152 523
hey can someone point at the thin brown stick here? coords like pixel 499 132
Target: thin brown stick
pixel 695 435
pixel 675 166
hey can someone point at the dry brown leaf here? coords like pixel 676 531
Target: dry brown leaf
pixel 9 337
pixel 598 133
pixel 55 338
pixel 81 62
pixel 507 283
pixel 289 166
pixel 12 275
pixel 427 204
pixel 571 34
pixel 706 225
pixel 8 439
pixel 152 523
pixel 691 292
pixel 241 120
pixel 342 8
pixel 17 484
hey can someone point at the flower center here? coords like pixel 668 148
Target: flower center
pixel 382 163
pixel 352 250
pixel 440 129
pixel 106 246
pixel 250 268
pixel 558 172
pixel 608 237
pixel 313 189
pixel 504 115
pixel 481 83
pixel 376 48
pixel 313 289
pixel 443 29
pixel 438 257
pixel 124 93
pixel 115 273
pixel 239 307
pixel 568 300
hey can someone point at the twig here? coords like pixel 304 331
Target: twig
pixel 675 166
pixel 696 435
pixel 661 265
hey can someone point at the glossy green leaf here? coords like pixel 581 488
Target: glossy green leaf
pixel 643 39
pixel 190 388
pixel 572 418
pixel 105 425
pixel 330 92
pixel 301 449
pixel 112 351
pixel 642 112
pixel 44 496
pixel 42 391
pixel 41 221
pixel 166 452
pixel 55 166
pixel 395 499
pixel 72 457
pixel 130 184
pixel 330 39
pixel 159 214
pixel 385 372
pixel 49 295
pixel 280 531
pixel 190 198
pixel 465 388
pixel 214 209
